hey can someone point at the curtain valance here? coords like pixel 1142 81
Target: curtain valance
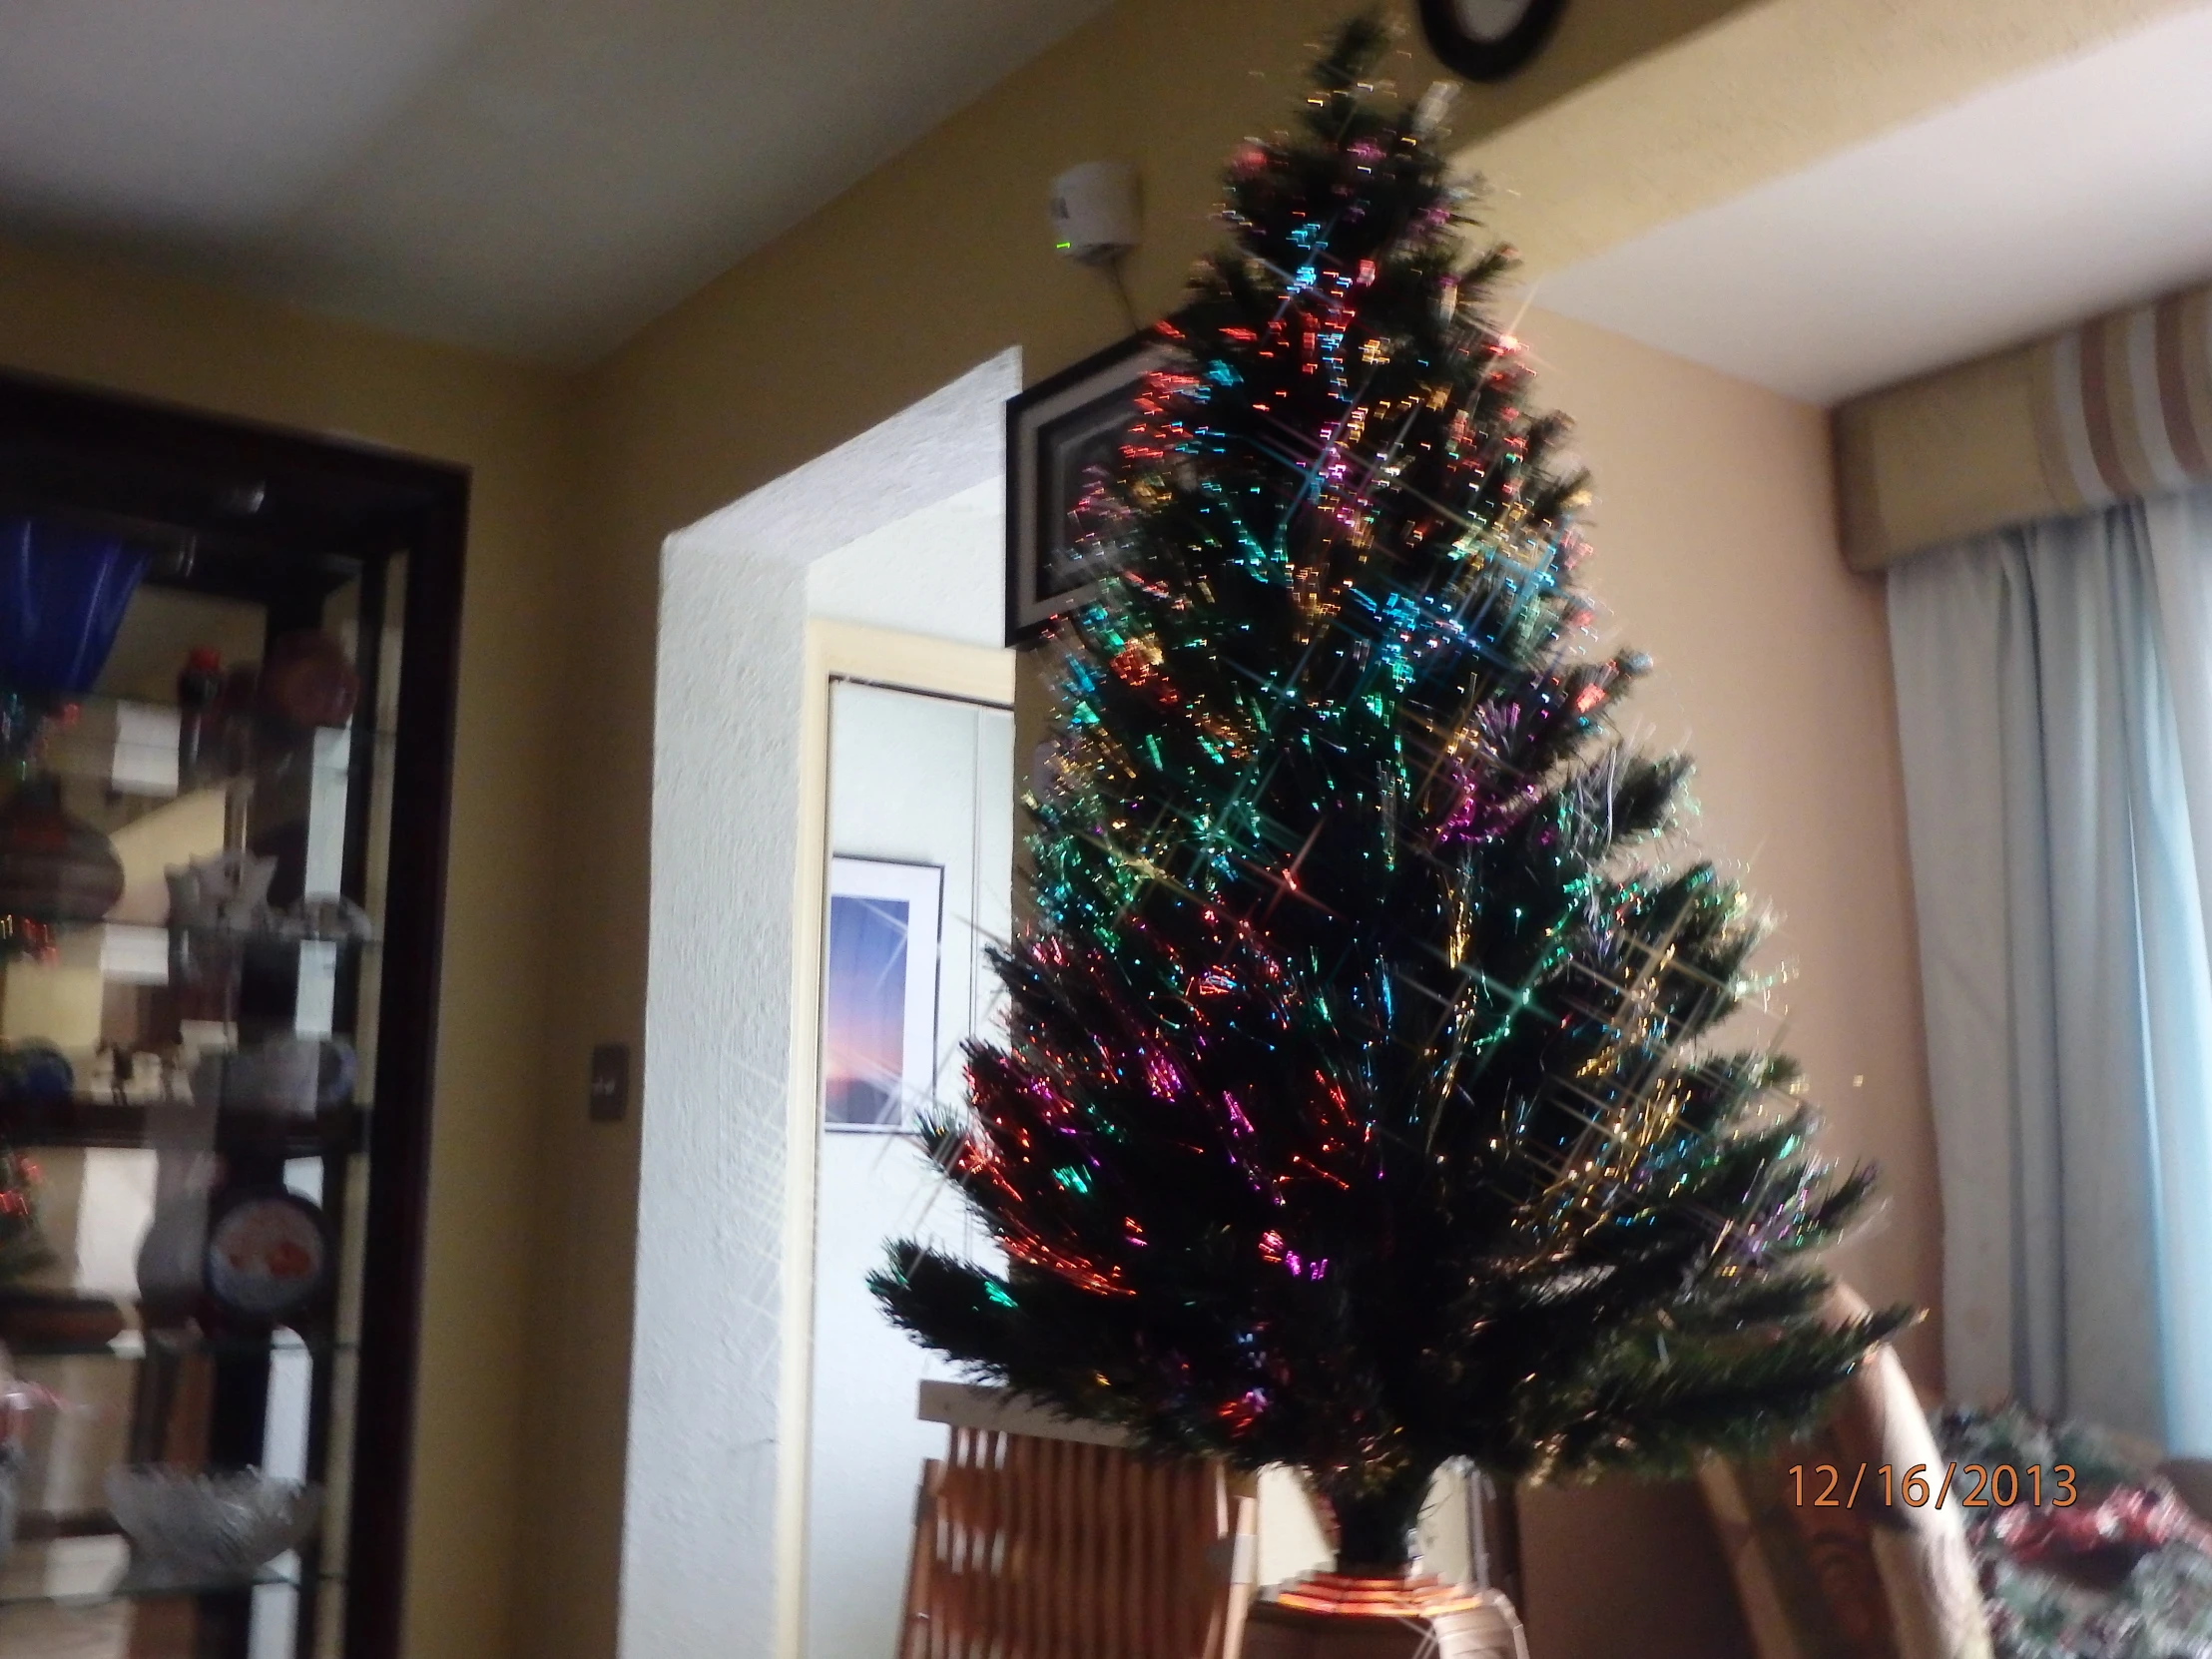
pixel 2114 410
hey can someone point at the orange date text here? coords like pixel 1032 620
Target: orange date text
pixel 1970 1485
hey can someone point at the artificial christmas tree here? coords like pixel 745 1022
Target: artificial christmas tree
pixel 1356 1112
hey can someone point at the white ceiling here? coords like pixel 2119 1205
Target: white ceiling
pixel 538 176
pixel 2075 189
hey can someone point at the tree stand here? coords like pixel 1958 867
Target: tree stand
pixel 1333 1615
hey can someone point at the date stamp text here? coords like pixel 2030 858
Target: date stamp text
pixel 1975 1485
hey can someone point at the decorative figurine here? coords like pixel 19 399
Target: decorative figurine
pixel 224 893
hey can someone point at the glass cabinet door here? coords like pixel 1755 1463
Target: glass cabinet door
pixel 197 761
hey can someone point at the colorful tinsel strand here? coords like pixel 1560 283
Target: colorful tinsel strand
pixel 1355 1109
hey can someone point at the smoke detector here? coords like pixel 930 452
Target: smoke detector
pixel 1095 211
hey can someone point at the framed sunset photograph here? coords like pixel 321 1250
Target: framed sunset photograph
pixel 880 993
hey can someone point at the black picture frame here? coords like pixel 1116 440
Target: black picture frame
pixel 1482 57
pixel 1057 432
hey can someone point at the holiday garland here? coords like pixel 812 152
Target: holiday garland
pixel 2121 1571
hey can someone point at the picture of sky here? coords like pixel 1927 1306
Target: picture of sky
pixel 864 1024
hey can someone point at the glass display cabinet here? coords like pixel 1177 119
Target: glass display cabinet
pixel 227 661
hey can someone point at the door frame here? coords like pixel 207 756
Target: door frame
pixel 854 652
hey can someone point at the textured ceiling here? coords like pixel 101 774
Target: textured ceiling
pixel 2075 188
pixel 539 177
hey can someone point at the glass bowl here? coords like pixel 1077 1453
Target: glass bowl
pixel 225 1522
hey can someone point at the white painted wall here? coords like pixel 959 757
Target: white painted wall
pixel 712 1472
pixel 923 779
pixel 940 571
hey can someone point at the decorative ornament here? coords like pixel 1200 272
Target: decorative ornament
pixel 34 1069
pixel 269 1257
pixel 1489 40
pixel 23 725
pixel 23 1247
pixel 190 1526
pixel 223 893
pixel 56 871
pixel 289 1076
pixel 56 1318
pixel 20 1401
pixel 2099 1556
pixel 247 1257
pixel 199 691
pixel 228 892
pixel 308 682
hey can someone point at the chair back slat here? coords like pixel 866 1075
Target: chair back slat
pixel 1029 1546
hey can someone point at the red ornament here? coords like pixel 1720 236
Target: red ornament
pixel 54 871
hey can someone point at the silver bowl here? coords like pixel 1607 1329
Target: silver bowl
pixel 223 1522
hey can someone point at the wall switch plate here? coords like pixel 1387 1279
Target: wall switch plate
pixel 609 1082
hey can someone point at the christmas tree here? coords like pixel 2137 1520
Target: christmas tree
pixel 1355 1111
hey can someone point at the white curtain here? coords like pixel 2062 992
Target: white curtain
pixel 2055 698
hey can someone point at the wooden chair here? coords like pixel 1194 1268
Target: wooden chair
pixel 1040 1538
pixel 1870 1580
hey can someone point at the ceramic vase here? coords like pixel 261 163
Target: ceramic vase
pixel 56 871
pixel 63 594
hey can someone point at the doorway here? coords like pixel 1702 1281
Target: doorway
pixel 758 600
pixel 918 883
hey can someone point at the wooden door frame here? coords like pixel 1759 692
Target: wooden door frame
pixel 851 652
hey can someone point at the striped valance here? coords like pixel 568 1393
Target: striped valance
pixel 2117 407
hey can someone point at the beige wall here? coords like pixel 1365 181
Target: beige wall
pixel 1715 551
pixel 177 341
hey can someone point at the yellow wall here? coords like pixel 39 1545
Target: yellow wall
pixel 935 261
pixel 184 343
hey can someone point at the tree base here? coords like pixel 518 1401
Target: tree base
pixel 1333 1616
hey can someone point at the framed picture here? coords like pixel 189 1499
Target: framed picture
pixel 1060 435
pixel 880 993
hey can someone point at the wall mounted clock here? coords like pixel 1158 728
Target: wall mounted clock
pixel 1487 40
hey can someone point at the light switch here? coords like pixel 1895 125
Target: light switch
pixel 609 1082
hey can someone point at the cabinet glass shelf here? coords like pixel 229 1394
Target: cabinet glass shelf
pixel 136 953
pixel 335 1130
pixel 137 1346
pixel 100 1568
pixel 131 748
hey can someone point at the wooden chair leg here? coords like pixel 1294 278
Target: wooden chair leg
pixel 914 1612
pixel 1244 1564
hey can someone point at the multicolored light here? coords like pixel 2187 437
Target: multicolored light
pixel 1356 1109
